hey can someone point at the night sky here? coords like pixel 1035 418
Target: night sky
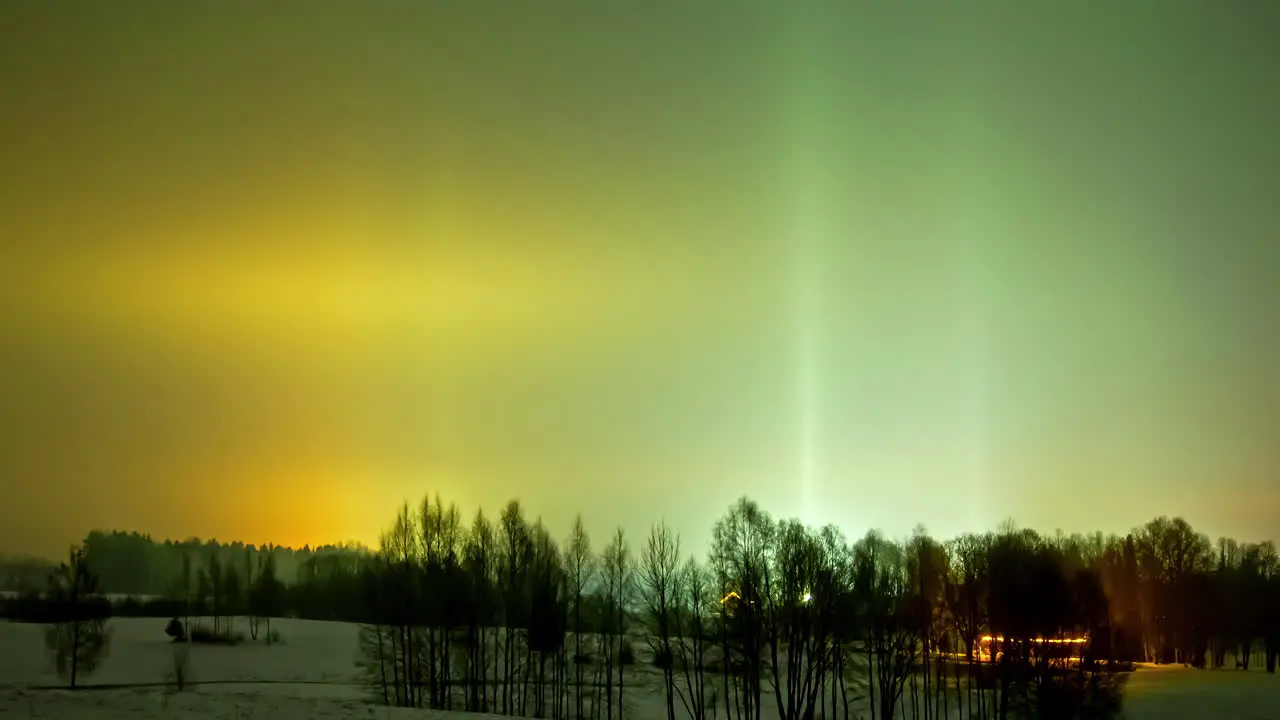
pixel 269 268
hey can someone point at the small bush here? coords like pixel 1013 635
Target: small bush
pixel 661 658
pixel 273 637
pixel 175 630
pixel 582 659
pixel 627 656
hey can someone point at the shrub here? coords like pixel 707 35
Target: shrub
pixel 175 631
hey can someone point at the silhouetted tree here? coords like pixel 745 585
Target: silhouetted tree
pixel 248 605
pixel 481 569
pixel 742 542
pixel 892 641
pixel 1169 553
pixel 516 559
pixel 78 635
pixel 927 565
pixel 548 618
pixel 691 622
pixel 616 574
pixel 659 577
pixel 266 595
pixel 580 567
pixel 440 603
pixel 800 599
pixel 1271 619
pixel 188 588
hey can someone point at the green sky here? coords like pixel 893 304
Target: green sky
pixel 269 268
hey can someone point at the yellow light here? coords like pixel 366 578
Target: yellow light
pixel 1053 641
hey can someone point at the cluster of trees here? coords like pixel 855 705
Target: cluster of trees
pixel 476 617
pixel 219 590
pixel 502 618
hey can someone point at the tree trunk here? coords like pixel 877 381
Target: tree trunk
pixel 622 667
pixel 75 652
pixel 382 661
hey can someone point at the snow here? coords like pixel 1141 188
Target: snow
pixel 311 674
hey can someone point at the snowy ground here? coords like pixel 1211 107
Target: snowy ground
pixel 1179 692
pixel 140 653
pixel 311 675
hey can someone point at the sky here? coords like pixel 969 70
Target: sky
pixel 269 269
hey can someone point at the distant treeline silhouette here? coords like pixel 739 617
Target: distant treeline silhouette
pixel 129 563
pixel 498 616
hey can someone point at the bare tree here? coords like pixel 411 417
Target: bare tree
pixel 548 612
pixel 517 554
pixel 927 567
pixel 266 596
pixel 187 590
pixel 440 528
pixel 479 566
pixel 248 587
pixel 659 578
pixel 1169 554
pixel 379 658
pixel 400 551
pixel 581 568
pixel 891 638
pixel 965 592
pixel 801 598
pixel 616 569
pixel 694 606
pixel 741 545
pixel 78 637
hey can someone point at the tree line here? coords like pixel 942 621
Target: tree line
pixel 497 616
pixel 131 563
pixel 500 616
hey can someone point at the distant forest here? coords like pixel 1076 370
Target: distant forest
pixel 130 563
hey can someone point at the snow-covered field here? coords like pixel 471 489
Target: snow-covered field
pixel 311 674
pixel 141 653
pixel 1174 691
pixel 308 675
